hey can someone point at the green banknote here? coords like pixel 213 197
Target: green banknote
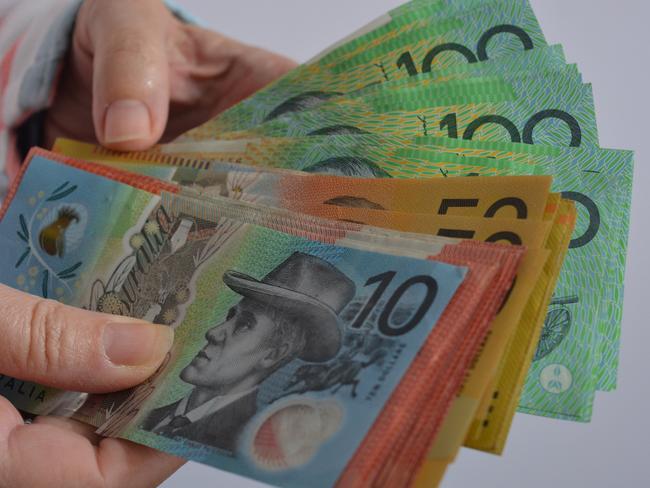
pixel 338 153
pixel 621 162
pixel 489 31
pixel 403 18
pixel 552 109
pixel 243 115
pixel 309 85
pixel 346 155
pixel 585 315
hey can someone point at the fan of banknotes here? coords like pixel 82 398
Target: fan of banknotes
pixel 370 263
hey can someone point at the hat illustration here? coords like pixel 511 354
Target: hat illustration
pixel 311 290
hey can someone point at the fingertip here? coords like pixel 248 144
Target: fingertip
pixel 128 126
pixel 9 417
pixel 127 121
pixel 284 65
pixel 137 344
pixel 131 87
pixel 129 352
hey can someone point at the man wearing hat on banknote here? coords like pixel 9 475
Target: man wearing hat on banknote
pixel 292 313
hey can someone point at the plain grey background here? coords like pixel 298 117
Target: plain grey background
pixel 609 41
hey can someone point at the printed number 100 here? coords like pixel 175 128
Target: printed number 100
pixel 450 124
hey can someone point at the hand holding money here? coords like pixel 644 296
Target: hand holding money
pixel 136 73
pixel 368 264
pixel 66 347
pixel 172 68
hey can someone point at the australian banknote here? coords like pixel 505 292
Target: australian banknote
pixel 597 180
pixel 244 116
pixel 540 110
pixel 508 27
pixel 155 239
pixel 373 202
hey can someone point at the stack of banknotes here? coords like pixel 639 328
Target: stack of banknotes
pixel 370 263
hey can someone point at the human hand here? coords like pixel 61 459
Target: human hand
pixel 49 343
pixel 136 74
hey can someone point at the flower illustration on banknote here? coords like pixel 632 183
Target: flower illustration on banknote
pixel 556 326
pixel 51 233
pixel 290 435
pixel 154 280
pixel 111 303
pixel 169 316
pixel 238 183
pixel 136 241
pixel 151 228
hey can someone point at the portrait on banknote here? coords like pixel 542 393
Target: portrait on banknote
pixel 286 335
pixel 292 313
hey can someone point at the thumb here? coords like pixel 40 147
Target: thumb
pixel 130 71
pixel 65 347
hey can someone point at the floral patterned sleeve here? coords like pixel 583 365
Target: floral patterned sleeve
pixel 34 37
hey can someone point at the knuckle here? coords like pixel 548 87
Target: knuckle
pixel 44 337
pixel 126 43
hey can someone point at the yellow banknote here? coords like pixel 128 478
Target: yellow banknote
pixel 530 289
pixel 490 433
pixel 481 196
pixel 492 419
pixel 528 232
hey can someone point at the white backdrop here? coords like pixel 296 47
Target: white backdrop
pixel 609 41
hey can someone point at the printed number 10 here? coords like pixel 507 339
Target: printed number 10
pixel 384 281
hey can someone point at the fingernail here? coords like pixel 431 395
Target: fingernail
pixel 137 344
pixel 127 120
